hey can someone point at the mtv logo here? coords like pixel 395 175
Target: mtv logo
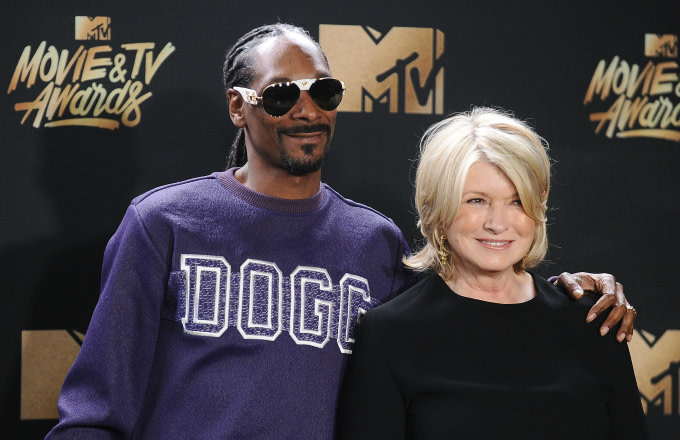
pixel 399 71
pixel 657 369
pixel 661 45
pixel 46 357
pixel 93 28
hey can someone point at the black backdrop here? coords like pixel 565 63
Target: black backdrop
pixel 614 203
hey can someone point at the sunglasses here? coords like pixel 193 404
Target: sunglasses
pixel 277 99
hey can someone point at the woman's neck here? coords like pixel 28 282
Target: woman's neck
pixel 504 288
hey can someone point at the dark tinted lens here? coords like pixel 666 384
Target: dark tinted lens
pixel 278 99
pixel 327 93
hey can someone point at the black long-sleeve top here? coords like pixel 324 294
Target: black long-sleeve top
pixel 432 364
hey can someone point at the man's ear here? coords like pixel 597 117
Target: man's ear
pixel 236 104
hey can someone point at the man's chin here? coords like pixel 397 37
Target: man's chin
pixel 307 163
pixel 302 167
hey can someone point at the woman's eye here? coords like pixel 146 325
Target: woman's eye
pixel 475 200
pixel 517 202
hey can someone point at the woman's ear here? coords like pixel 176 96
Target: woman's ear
pixel 236 108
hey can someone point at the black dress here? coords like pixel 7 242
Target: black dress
pixel 431 364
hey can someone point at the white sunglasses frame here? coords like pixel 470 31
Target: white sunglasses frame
pixel 250 95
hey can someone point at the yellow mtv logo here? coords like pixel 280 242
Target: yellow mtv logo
pixel 661 45
pixel 657 369
pixel 46 357
pixel 399 71
pixel 93 28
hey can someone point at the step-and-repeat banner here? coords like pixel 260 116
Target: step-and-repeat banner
pixel 103 102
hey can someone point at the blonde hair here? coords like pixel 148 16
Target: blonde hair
pixel 448 150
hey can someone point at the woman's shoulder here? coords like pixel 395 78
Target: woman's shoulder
pixel 557 297
pixel 417 298
pixel 568 315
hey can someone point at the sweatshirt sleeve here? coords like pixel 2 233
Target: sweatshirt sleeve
pixel 104 390
pixel 404 277
pixel 370 405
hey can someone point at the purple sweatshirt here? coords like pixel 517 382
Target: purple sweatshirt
pixel 228 314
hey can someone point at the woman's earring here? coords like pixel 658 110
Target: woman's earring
pixel 443 252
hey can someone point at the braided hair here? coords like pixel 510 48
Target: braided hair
pixel 239 70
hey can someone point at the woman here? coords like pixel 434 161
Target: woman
pixel 482 348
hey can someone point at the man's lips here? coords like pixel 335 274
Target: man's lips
pixel 306 135
pixel 306 130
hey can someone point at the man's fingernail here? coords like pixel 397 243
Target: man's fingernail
pixel 604 330
pixel 591 317
pixel 621 337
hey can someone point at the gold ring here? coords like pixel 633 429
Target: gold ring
pixel 631 308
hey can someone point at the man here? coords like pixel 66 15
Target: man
pixel 203 277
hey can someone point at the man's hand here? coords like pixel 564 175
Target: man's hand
pixel 612 296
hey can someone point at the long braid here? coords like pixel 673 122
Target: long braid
pixel 239 70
